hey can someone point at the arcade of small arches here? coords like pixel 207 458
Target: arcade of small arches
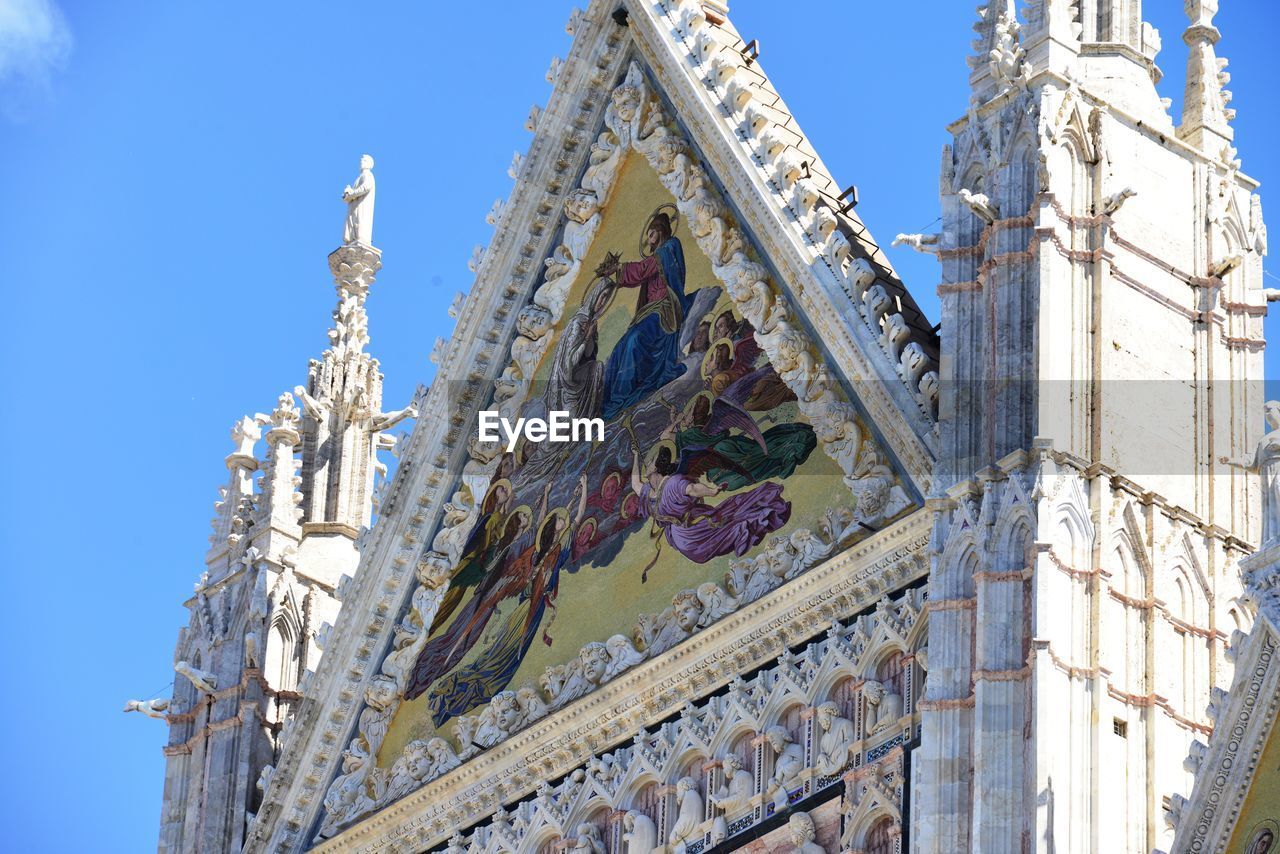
pixel 837 718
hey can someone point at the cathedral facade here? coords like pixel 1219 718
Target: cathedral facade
pixel 830 577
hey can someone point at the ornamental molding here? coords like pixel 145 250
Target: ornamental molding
pixel 1244 718
pixel 851 582
pixel 422 494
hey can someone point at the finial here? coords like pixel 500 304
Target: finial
pixel 1206 118
pixel 359 198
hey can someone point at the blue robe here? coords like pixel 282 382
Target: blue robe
pixel 647 357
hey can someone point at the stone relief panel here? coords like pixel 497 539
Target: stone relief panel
pixel 731 460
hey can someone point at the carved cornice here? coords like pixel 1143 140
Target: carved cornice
pixel 742 642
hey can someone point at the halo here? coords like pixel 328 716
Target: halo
pixel 493 487
pixel 693 401
pixel 523 510
pixel 672 211
pixel 598 285
pixel 552 516
pixel 623 513
pixel 708 358
pixel 650 457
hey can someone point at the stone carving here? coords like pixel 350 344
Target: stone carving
pixel 689 812
pixel 837 737
pixel 738 787
pixel 359 197
pixel 596 663
pixel 203 680
pixel 1115 201
pixel 421 760
pixel 926 243
pixel 151 708
pixel 788 762
pixel 801 833
pixel 639 833
pixel 883 706
pixel 1266 464
pixel 589 840
pixel 617 776
pixel 981 206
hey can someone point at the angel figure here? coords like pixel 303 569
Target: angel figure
pixel 536 571
pixel 705 441
pixel 675 503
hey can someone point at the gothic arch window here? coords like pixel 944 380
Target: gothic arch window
pixel 283 655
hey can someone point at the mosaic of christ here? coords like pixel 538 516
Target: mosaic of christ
pixel 704 456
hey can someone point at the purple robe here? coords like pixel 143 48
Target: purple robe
pixel 701 532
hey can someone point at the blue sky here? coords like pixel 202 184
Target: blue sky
pixel 172 173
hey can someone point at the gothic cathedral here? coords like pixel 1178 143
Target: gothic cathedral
pixel 830 577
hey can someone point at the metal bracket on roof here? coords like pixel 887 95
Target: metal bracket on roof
pixel 850 198
pixel 751 52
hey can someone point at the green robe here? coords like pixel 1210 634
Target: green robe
pixel 789 445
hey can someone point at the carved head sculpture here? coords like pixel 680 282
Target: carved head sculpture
pixel 506 711
pixel 731 764
pixel 381 692
pixel 626 101
pixel 581 205
pixel 827 712
pixel 873 691
pixel 685 785
pixel 669 148
pixel 589 838
pixel 778 738
pixel 366 162
pixel 440 752
pixel 800 829
pixel 687 609
pixel 1272 410
pixel 595 662
pixel 533 321
pixel 417 759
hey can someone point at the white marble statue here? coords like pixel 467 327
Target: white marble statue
pixel 203 680
pixel 589 840
pixel 689 811
pixel 837 738
pixel 1266 464
pixel 359 199
pixel 801 832
pixel 639 833
pixel 736 792
pixel 150 708
pixel 883 706
pixel 788 762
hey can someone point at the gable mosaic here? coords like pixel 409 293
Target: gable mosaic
pixel 731 460
pixel 704 456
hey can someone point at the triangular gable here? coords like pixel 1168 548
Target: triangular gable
pixel 790 259
pixel 1234 805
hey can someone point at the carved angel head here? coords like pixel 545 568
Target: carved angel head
pixel 626 101
pixel 581 205
pixel 687 609
pixel 533 321
pixel 595 662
